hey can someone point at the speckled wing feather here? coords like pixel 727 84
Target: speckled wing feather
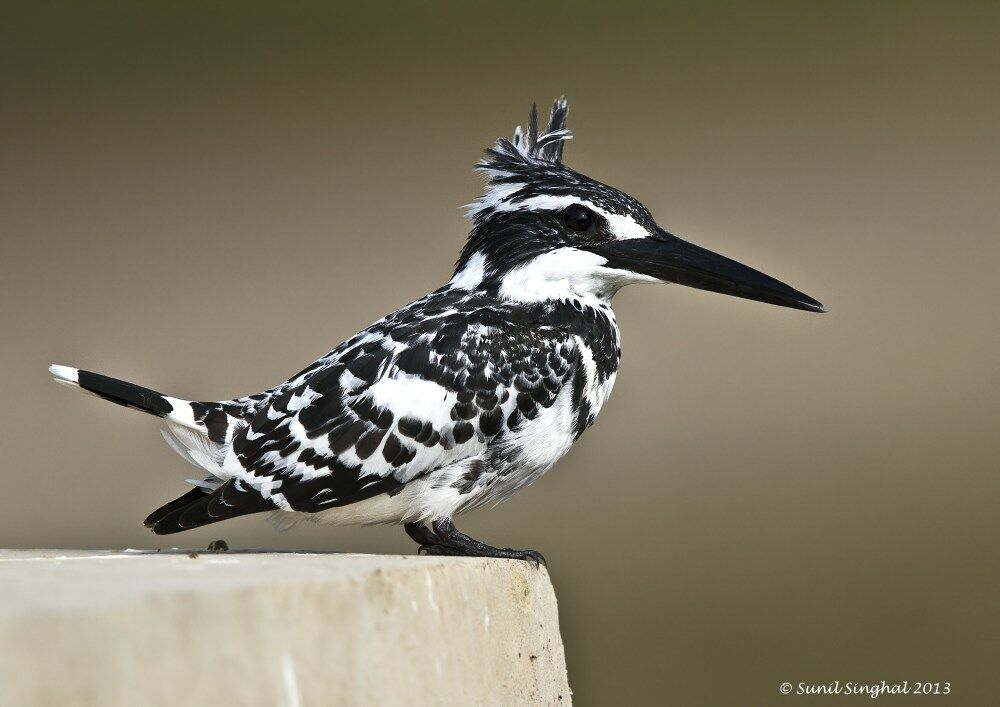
pixel 436 382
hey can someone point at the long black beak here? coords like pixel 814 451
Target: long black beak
pixel 668 258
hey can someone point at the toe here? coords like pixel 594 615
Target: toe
pixel 532 556
pixel 536 557
pixel 438 550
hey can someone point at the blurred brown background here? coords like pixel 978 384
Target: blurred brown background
pixel 204 197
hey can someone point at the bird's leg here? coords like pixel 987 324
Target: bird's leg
pixel 421 534
pixel 428 541
pixel 443 538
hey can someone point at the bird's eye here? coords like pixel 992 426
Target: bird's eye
pixel 577 218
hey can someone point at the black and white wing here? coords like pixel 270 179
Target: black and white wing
pixel 416 392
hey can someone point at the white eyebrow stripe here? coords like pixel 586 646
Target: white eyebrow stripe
pixel 496 194
pixel 623 227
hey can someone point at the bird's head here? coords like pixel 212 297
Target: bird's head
pixel 544 231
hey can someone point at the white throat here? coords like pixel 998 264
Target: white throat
pixel 567 273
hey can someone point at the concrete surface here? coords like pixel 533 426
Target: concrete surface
pixel 238 628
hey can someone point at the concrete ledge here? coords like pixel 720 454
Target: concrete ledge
pixel 104 628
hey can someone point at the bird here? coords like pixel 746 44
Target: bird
pixel 463 396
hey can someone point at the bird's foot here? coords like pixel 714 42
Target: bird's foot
pixel 505 553
pixel 443 538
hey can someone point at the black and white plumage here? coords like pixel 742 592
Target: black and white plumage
pixel 463 396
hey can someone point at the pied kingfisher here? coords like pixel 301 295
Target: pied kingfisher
pixel 463 396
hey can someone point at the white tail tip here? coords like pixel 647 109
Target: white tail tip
pixel 65 374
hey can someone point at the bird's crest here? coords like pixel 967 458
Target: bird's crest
pixel 546 146
pixel 510 162
pixel 528 144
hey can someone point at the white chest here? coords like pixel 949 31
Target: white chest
pixel 541 442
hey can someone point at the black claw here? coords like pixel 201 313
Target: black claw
pixel 534 555
pixel 526 555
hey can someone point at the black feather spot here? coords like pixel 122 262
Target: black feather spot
pixel 463 432
pixel 391 448
pixel 410 426
pixel 368 443
pixel 490 421
pixel 464 411
pixel 343 438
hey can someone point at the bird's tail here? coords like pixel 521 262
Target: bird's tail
pixel 210 419
pixel 200 432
